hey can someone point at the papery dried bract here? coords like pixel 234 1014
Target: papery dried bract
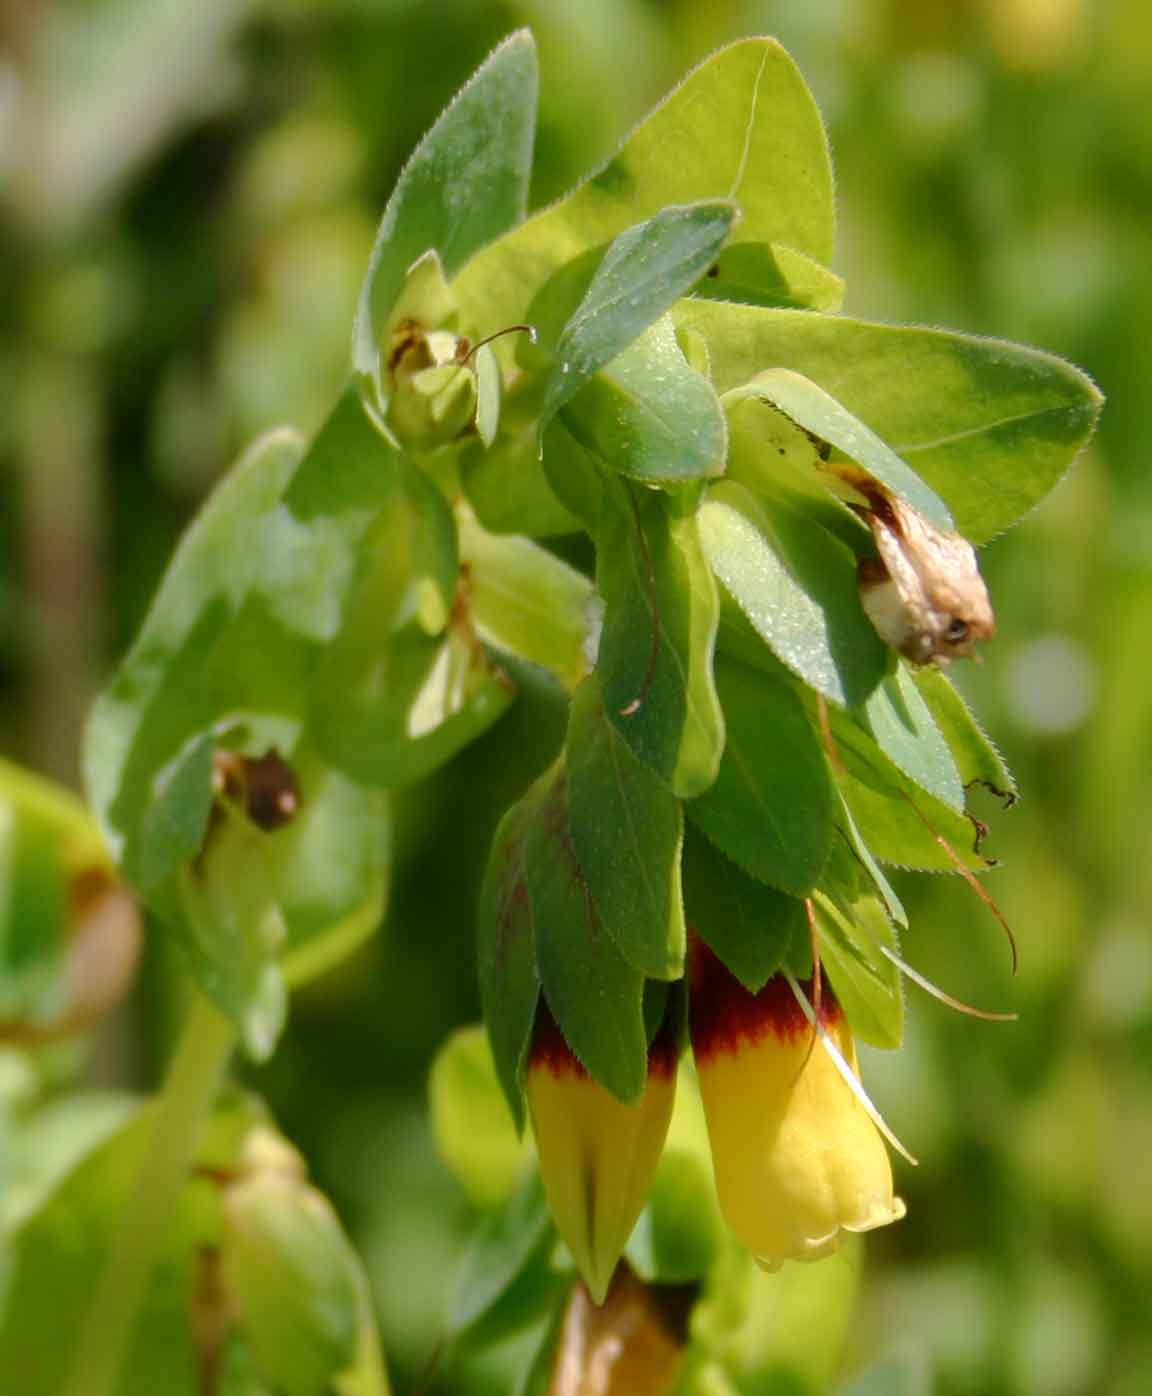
pixel 924 593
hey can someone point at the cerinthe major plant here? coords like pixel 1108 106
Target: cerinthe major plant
pixel 781 501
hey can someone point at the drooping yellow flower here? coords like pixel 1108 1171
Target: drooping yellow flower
pixel 597 1156
pixel 796 1157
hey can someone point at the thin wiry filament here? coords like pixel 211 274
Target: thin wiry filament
pixel 817 974
pixel 851 1080
pixel 966 873
pixel 937 993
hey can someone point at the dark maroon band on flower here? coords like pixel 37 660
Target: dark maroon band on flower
pixel 664 1052
pixel 723 1014
pixel 550 1049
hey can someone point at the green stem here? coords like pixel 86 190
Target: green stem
pixel 189 1091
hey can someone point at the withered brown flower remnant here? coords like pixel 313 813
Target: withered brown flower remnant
pixel 924 592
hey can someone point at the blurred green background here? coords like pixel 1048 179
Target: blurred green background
pixel 189 195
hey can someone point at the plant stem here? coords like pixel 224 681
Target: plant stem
pixel 188 1094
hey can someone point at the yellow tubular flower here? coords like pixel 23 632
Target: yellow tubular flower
pixel 796 1157
pixel 597 1156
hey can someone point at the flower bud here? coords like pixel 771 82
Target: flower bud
pixel 924 593
pixel 292 1276
pixel 597 1156
pixel 796 1157
pixel 433 396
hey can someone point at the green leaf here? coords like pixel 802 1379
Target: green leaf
pixel 649 415
pixel 525 600
pixel 508 489
pixel 899 820
pixel 56 1258
pixel 748 924
pixel 776 1332
pixel 646 268
pixel 424 299
pixel 223 909
pixel 853 926
pixel 172 685
pixel 506 1281
pixel 52 1140
pixel 782 464
pixel 388 708
pixel 335 861
pixel 978 760
pixel 593 993
pixel 771 808
pixel 57 1254
pixel 245 620
pixel 796 584
pixel 236 640
pixel 742 126
pixel 34 919
pixel 626 829
pixel 660 620
pixel 574 477
pixel 506 947
pixel 175 822
pixel 357 489
pixel 808 405
pixel 474 1133
pixel 390 717
pixel 899 720
pixel 871 869
pixel 367 1375
pixel 866 983
pixel 771 274
pixel 678 1236
pixel 990 426
pixel 703 1375
pixel 466 183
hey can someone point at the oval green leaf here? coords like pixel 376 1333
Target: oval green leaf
pixel 976 756
pixel 506 941
pixel 526 600
pixel 809 406
pixel 748 924
pixel 594 994
pixel 626 830
pixel 990 426
pixel 647 268
pixel 649 415
pixel 465 184
pixel 899 719
pixel 796 584
pixel 770 809
pixel 742 126
pixel 660 620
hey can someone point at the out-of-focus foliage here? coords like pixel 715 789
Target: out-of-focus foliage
pixel 189 202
